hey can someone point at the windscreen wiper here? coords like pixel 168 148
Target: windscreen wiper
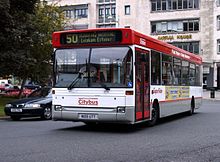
pixel 75 81
pixel 105 86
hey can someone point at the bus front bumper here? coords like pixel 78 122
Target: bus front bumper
pixel 100 115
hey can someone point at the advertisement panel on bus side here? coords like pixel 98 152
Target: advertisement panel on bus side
pixel 172 93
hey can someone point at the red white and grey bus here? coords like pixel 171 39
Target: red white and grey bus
pixel 119 75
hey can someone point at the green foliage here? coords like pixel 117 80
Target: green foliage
pixel 47 19
pixel 23 6
pixel 3 101
pixel 26 51
pixel 5 24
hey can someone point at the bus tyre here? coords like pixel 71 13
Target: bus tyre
pixel 47 113
pixel 155 116
pixel 192 109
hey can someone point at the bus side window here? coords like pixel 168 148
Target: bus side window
pixel 176 71
pixel 155 68
pixel 167 69
pixel 185 73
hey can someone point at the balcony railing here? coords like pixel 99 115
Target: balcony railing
pixel 106 1
pixel 107 19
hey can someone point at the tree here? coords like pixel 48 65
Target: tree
pixel 5 23
pixel 47 19
pixel 14 34
pixel 27 49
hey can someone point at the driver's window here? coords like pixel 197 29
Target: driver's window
pixel 114 67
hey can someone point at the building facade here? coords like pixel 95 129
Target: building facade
pixel 193 25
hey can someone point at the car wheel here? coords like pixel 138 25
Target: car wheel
pixel 15 118
pixel 47 114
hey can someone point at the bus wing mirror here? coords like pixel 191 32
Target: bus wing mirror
pixel 52 55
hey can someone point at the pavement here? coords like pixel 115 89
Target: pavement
pixel 207 94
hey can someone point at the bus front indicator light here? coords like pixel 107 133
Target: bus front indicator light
pixel 58 108
pixel 121 109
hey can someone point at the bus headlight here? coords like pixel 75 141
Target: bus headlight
pixel 121 109
pixel 58 108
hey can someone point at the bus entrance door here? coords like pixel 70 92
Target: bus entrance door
pixel 142 95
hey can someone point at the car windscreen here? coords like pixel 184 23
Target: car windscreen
pixel 42 92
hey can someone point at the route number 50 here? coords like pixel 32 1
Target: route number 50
pixel 71 39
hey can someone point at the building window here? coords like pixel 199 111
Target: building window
pixel 190 25
pixel 196 4
pixel 184 4
pixel 153 6
pixel 192 47
pixel 180 4
pixel 190 4
pixel 127 10
pixel 106 1
pixel 113 11
pixel 174 5
pixel 218 3
pixel 218 22
pixel 106 26
pixel 69 13
pixel 81 13
pixel 163 5
pixel 218 46
pixel 101 12
pixel 196 25
pixel 106 13
pixel 159 5
pixel 174 26
pixel 76 27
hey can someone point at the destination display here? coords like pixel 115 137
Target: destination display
pixel 91 37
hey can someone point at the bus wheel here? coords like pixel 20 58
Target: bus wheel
pixel 192 109
pixel 155 116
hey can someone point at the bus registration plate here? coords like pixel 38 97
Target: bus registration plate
pixel 88 116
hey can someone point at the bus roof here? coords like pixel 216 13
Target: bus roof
pixel 117 36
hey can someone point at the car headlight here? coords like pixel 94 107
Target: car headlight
pixel 32 105
pixel 8 105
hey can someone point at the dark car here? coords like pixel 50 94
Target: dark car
pixel 38 103
pixel 32 86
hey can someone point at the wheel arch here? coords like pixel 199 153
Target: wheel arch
pixel 156 105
